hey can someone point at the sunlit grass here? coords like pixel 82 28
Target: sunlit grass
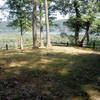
pixel 55 74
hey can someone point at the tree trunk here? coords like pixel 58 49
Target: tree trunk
pixel 87 38
pixel 34 24
pixel 86 33
pixel 21 42
pixel 21 37
pixel 77 34
pixel 41 27
pixel 6 46
pixel 77 29
pixel 48 42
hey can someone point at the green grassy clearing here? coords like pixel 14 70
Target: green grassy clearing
pixel 51 74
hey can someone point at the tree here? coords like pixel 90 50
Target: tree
pixel 95 27
pixel 34 23
pixel 73 7
pixel 19 15
pixel 83 13
pixel 41 23
pixel 41 26
pixel 88 16
pixel 40 4
pixel 48 42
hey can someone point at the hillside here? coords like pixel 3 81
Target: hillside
pixel 4 29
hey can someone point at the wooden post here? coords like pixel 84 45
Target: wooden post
pixel 6 46
pixel 94 45
pixel 67 44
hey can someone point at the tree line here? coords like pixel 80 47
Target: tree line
pixel 27 15
pixel 24 14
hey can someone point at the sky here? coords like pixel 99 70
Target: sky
pixel 59 16
pixel 2 15
pixel 2 2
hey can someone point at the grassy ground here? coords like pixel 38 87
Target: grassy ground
pixel 58 73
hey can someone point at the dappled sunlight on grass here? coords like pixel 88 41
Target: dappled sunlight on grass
pixel 52 74
pixel 2 62
pixel 92 91
pixel 14 64
pixel 63 71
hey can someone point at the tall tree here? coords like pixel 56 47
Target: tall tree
pixel 19 14
pixel 89 15
pixel 48 42
pixel 82 15
pixel 73 7
pixel 40 4
pixel 41 26
pixel 35 24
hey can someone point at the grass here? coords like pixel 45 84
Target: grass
pixel 51 74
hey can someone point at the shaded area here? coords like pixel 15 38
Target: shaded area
pixel 49 75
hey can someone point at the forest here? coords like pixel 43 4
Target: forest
pixel 49 49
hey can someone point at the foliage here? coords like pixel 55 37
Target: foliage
pixel 20 14
pixel 83 14
pixel 95 27
pixel 88 14
pixel 63 35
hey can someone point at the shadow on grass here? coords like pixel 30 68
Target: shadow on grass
pixel 61 77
